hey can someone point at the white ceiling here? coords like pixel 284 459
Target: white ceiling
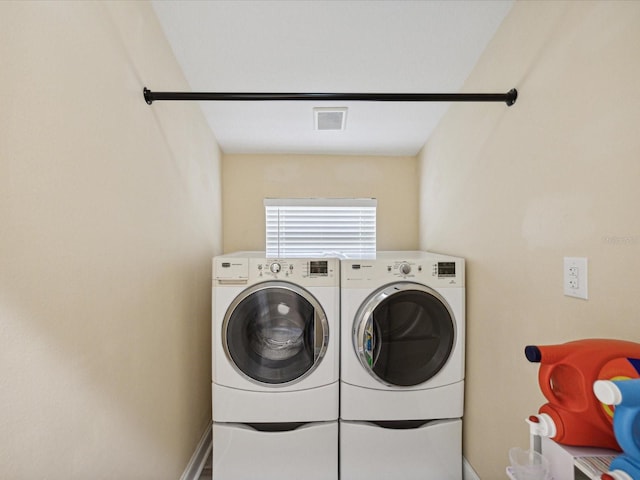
pixel 356 46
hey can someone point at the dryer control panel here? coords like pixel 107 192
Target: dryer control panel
pixel 432 270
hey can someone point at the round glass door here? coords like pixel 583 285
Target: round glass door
pixel 404 334
pixel 275 333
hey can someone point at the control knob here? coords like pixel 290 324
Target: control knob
pixel 405 268
pixel 274 267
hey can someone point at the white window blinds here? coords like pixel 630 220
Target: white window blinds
pixel 316 227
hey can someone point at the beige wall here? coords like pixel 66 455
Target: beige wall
pixel 248 179
pixel 109 214
pixel 515 189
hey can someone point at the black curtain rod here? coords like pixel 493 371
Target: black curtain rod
pixel 509 98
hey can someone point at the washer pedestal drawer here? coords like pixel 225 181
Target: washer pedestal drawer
pixel 233 405
pixel 308 452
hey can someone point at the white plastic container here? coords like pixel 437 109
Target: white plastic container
pixel 528 465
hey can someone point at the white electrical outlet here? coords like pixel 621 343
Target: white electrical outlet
pixel 575 277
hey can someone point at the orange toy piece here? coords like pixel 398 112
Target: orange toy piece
pixel 566 376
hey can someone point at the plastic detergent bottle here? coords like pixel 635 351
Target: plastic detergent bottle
pixel 625 395
pixel 573 414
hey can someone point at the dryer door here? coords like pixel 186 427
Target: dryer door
pixel 404 334
pixel 275 333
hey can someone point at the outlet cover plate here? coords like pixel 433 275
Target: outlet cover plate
pixel 575 277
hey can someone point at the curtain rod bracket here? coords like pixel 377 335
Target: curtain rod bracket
pixel 509 98
pixel 148 96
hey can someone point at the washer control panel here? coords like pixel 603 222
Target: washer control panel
pixel 308 271
pixel 247 270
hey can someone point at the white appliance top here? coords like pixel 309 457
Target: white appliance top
pixel 427 268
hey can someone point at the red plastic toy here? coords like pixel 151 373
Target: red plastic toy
pixel 567 373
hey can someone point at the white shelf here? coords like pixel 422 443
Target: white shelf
pixel 568 462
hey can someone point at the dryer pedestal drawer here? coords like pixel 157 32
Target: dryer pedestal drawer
pixel 309 452
pixel 358 403
pixel 432 451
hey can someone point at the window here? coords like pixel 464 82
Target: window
pixel 316 227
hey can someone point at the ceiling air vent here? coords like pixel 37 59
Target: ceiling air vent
pixel 330 118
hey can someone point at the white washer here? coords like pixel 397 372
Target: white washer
pixel 402 366
pixel 275 371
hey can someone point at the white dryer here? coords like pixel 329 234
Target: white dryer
pixel 402 366
pixel 275 371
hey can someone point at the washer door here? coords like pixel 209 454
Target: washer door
pixel 275 333
pixel 404 334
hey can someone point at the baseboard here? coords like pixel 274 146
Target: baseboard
pixel 199 457
pixel 468 473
